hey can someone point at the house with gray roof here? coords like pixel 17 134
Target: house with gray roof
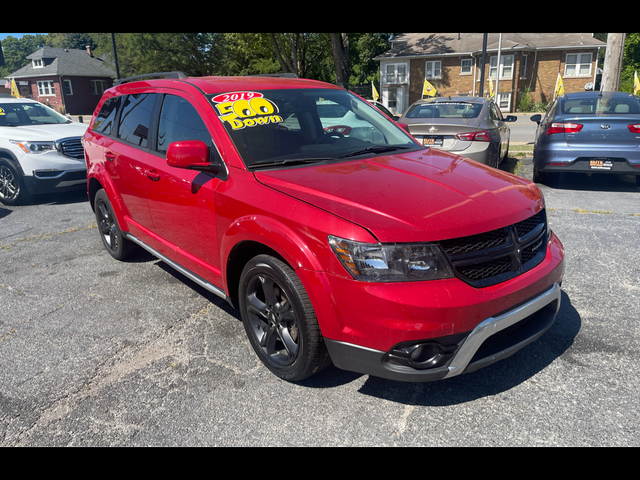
pixel 451 63
pixel 69 81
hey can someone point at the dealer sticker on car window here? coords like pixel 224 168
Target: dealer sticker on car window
pixel 246 109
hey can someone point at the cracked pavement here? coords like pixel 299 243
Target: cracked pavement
pixel 95 352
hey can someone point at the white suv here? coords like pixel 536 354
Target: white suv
pixel 40 150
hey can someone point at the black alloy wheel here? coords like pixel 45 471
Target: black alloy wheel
pixel 110 233
pixel 279 319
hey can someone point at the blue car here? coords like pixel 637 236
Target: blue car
pixel 589 132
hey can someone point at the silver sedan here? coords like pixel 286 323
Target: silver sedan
pixel 472 127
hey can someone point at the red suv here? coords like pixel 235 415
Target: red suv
pixel 334 232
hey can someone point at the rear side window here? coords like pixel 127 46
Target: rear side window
pixel 179 120
pixel 105 121
pixel 136 118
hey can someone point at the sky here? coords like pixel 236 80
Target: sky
pixel 16 35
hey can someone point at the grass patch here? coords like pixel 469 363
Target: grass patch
pixel 520 150
pixel 582 210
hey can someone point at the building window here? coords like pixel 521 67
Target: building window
pixel 504 102
pixel 433 69
pixel 45 88
pixel 98 87
pixel 506 66
pixel 523 66
pixel 396 73
pixel 392 101
pixel 465 66
pixel 67 87
pixel 37 63
pixel 577 64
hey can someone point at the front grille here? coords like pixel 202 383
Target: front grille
pixel 71 147
pixel 496 256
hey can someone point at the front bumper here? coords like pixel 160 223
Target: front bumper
pixel 493 339
pixel 368 327
pixel 51 181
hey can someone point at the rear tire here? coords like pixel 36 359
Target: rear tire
pixel 539 177
pixel 112 237
pixel 279 319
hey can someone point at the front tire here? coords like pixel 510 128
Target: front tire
pixel 12 189
pixel 279 319
pixel 112 238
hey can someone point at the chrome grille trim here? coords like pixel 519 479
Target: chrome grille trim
pixel 70 147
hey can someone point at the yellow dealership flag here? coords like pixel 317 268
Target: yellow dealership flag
pixel 376 96
pixel 492 92
pixel 428 89
pixel 559 86
pixel 636 83
pixel 14 89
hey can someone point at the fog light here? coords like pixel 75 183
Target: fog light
pixel 421 355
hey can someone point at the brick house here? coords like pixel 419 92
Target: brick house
pixel 69 81
pixel 451 63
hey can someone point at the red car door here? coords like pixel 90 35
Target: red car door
pixel 182 201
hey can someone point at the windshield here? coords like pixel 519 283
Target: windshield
pixel 20 114
pixel 270 127
pixel 445 110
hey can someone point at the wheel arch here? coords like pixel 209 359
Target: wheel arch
pixel 238 257
pixel 96 183
pixel 9 156
pixel 254 235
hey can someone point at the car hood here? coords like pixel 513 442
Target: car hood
pixel 44 132
pixel 426 195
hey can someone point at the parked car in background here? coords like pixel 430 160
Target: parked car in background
pixel 40 151
pixel 472 127
pixel 384 110
pixel 588 132
pixel 337 235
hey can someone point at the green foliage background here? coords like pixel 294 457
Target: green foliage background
pixel 200 54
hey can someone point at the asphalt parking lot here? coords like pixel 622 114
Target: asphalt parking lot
pixel 95 352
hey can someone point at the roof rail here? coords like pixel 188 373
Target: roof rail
pixel 284 75
pixel 177 75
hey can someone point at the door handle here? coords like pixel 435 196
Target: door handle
pixel 109 156
pixel 152 174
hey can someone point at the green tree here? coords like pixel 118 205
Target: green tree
pixel 76 41
pixel 16 50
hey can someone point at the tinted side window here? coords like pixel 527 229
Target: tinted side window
pixel 105 121
pixel 136 118
pixel 179 120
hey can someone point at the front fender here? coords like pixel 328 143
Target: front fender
pixel 297 250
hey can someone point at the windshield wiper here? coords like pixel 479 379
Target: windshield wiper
pixel 291 161
pixel 378 149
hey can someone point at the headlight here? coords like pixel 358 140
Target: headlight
pixel 35 147
pixel 377 262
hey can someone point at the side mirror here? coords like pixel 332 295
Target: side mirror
pixel 511 118
pixel 536 118
pixel 192 155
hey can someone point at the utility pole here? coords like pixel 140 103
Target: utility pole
pixel 115 56
pixel 482 62
pixel 612 62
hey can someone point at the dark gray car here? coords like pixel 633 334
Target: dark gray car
pixel 589 132
pixel 472 127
